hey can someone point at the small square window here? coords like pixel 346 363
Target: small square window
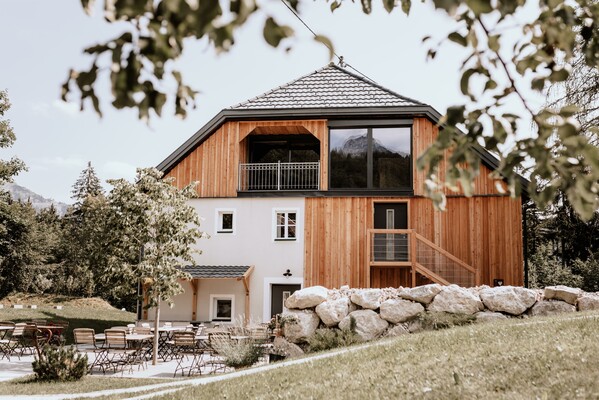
pixel 225 221
pixel 286 225
pixel 222 307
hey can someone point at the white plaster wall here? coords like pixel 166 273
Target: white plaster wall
pixel 252 243
pixel 181 310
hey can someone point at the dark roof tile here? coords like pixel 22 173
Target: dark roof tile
pixel 331 86
pixel 216 271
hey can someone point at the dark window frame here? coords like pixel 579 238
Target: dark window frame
pixel 369 125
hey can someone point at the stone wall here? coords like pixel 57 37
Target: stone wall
pixel 392 312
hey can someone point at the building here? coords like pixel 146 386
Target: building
pixel 315 183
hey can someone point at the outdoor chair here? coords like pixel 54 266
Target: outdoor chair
pixel 260 337
pixel 141 330
pixel 184 345
pixel 117 352
pixel 8 332
pixel 85 342
pixel 26 338
pixel 5 341
pixel 217 340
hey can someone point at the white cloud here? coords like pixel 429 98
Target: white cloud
pixel 41 109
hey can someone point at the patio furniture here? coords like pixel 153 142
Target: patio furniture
pixel 185 345
pixel 6 331
pixel 118 354
pixel 216 341
pixel 85 342
pixel 58 329
pixel 26 338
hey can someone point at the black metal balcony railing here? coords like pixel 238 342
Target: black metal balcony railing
pixel 279 176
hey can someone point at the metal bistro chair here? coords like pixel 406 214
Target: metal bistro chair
pixel 185 345
pixel 148 345
pixel 59 334
pixel 217 340
pixel 5 339
pixel 26 338
pixel 85 342
pixel 117 353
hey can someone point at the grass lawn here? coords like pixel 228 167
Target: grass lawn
pixel 547 358
pixel 88 384
pixel 81 313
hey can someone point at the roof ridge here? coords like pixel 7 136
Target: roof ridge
pixel 282 86
pixel 376 84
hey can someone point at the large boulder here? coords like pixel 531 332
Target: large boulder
pixel 307 298
pixel 369 325
pixel 509 299
pixel 485 316
pixel 299 324
pixel 397 310
pixel 588 302
pixel 331 312
pixel 422 294
pixel 282 346
pixel 564 293
pixel 551 307
pixel 368 298
pixel 456 300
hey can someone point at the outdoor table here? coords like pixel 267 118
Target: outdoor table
pixel 164 335
pixel 130 337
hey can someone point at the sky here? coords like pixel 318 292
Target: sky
pixel 42 40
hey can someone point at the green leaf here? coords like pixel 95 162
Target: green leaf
pixel 457 38
pixel 389 5
pixel 335 5
pixel 465 81
pixel 490 85
pixel 559 75
pixel 274 33
pixel 479 7
pixel 494 43
pixel 406 5
pixel 327 42
pixel 538 84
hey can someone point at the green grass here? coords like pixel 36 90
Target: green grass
pixel 28 386
pixel 517 359
pixel 78 317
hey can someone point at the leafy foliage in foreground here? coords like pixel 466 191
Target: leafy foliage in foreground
pixel 435 320
pixel 60 364
pixel 239 354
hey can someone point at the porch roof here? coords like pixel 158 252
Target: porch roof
pixel 217 271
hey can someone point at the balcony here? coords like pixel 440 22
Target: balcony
pixel 281 176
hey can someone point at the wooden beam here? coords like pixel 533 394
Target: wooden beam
pixel 194 304
pixel 144 301
pixel 246 284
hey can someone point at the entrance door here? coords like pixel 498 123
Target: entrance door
pixel 391 246
pixel 279 294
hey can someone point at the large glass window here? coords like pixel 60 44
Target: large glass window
pixel 370 158
pixel 349 153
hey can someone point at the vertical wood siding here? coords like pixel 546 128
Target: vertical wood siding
pixel 215 162
pixel 485 232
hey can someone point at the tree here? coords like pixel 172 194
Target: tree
pixel 8 168
pixel 556 157
pixel 84 239
pixel 87 185
pixel 152 217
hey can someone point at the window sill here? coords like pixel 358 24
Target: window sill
pixel 285 239
pixel 224 231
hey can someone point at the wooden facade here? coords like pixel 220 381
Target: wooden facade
pixel 484 231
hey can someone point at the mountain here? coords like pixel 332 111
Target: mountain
pixel 358 144
pixel 18 192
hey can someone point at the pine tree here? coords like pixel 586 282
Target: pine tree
pixel 87 185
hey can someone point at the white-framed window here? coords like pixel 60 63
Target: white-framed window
pixel 285 226
pixel 222 307
pixel 225 220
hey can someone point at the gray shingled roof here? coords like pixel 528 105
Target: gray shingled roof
pixel 331 86
pixel 216 271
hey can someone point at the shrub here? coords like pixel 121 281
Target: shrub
pixel 239 354
pixel 547 270
pixel 60 364
pixel 434 320
pixel 589 271
pixel 331 338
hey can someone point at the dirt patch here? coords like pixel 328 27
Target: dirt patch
pixel 54 299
